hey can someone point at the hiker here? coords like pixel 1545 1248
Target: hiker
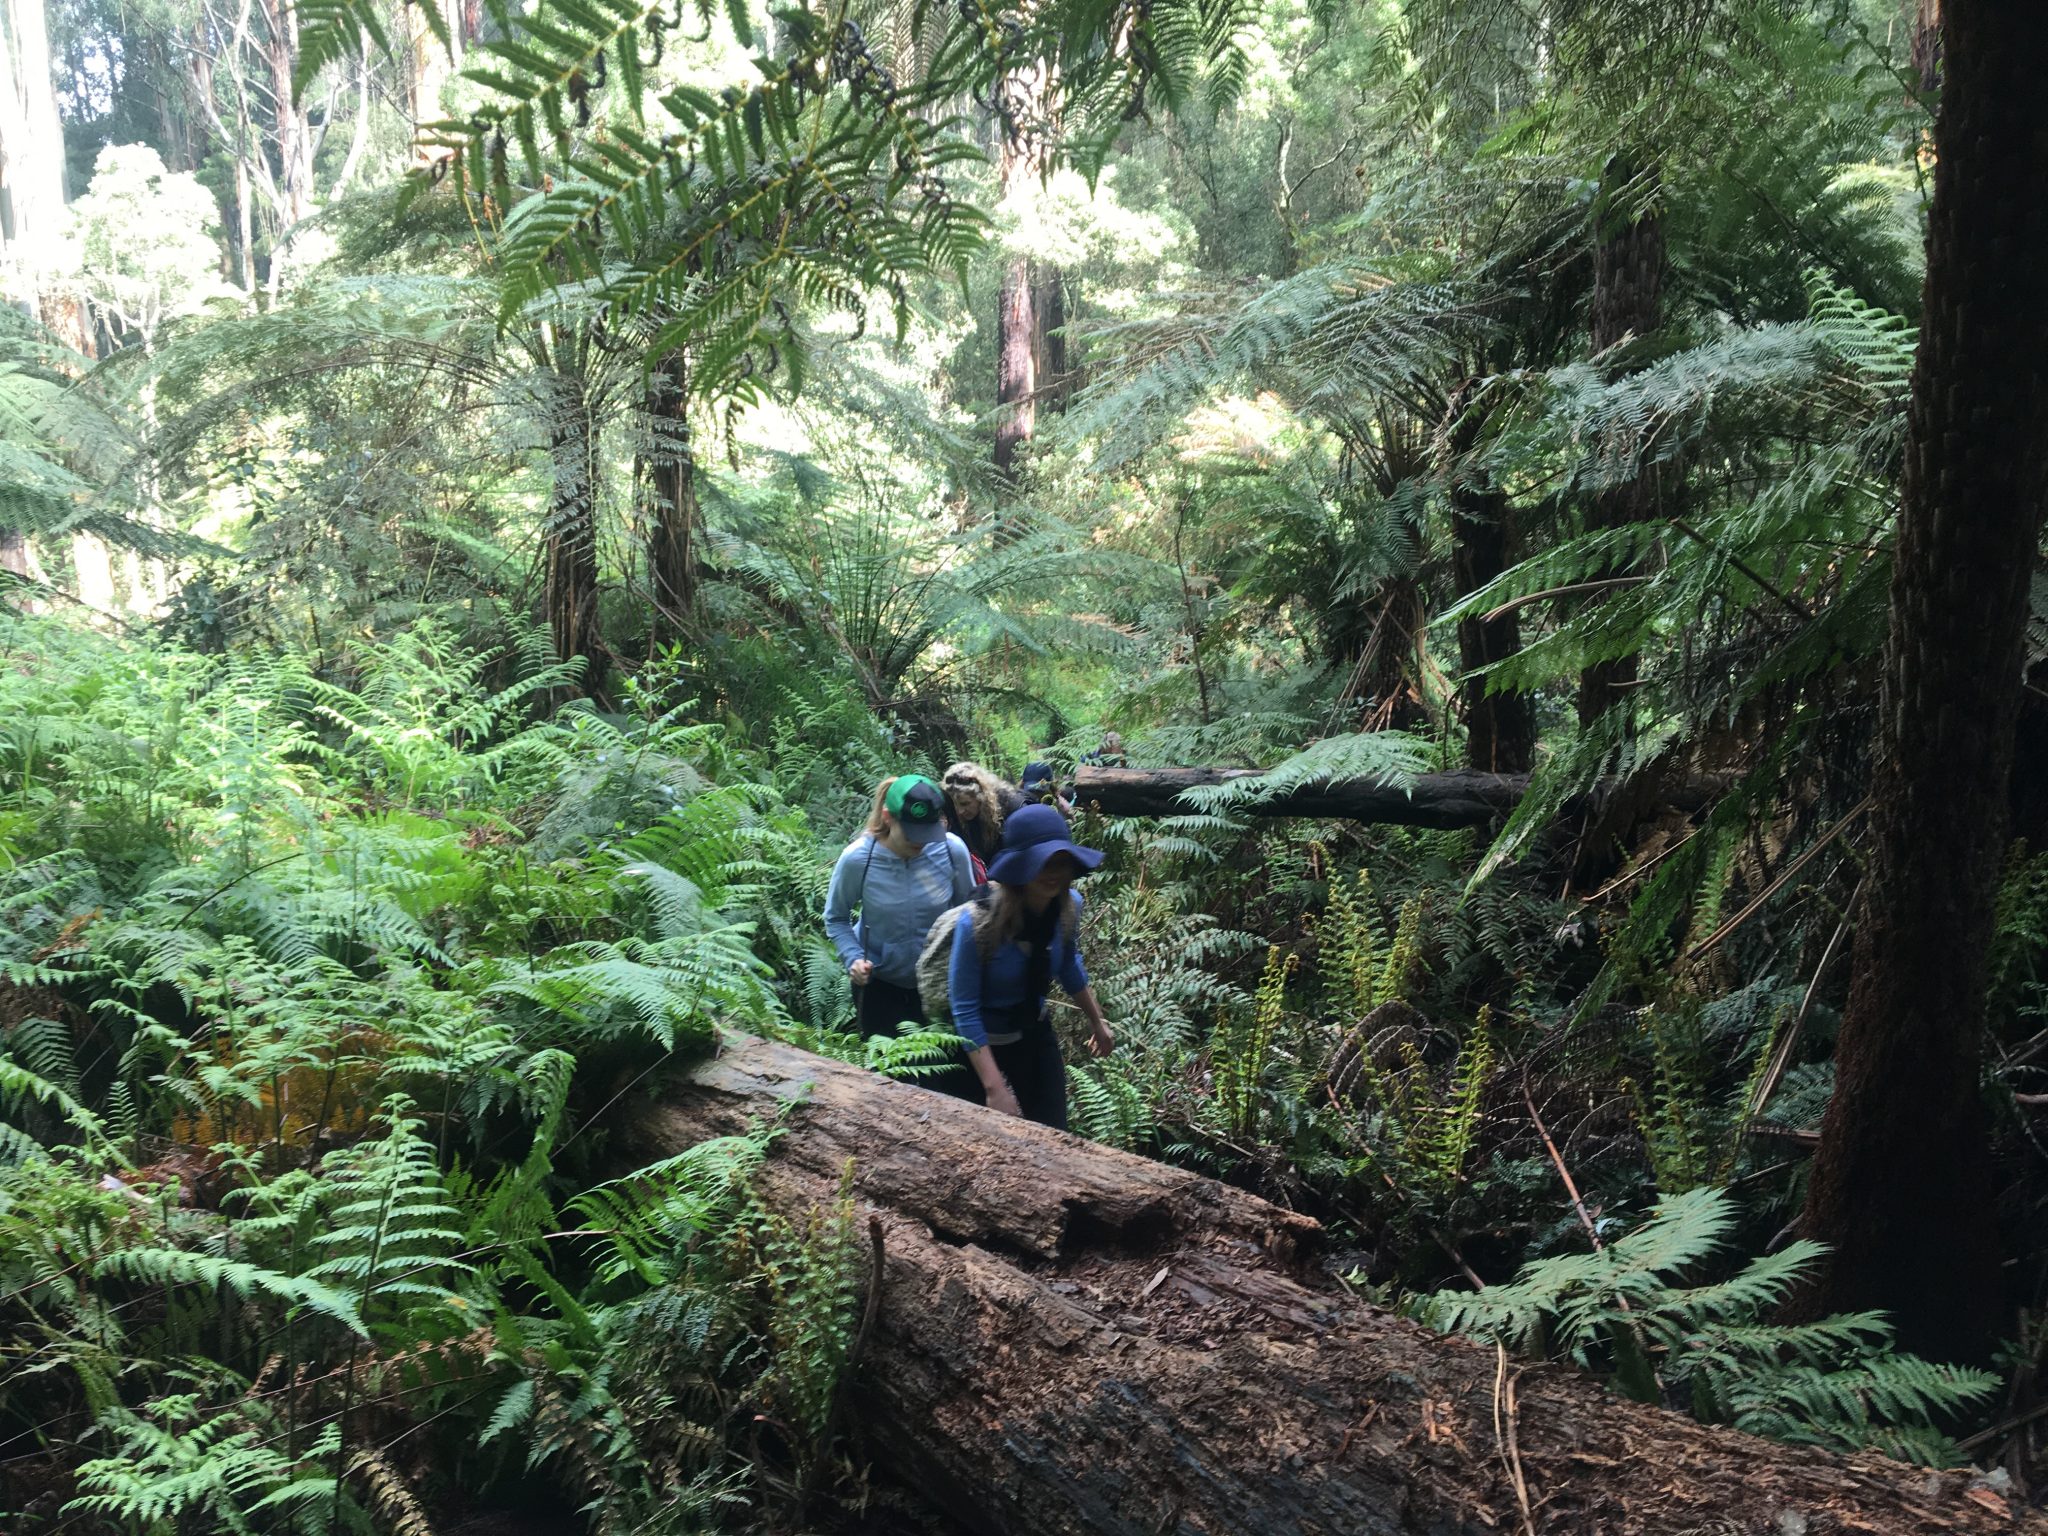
pixel 1007 949
pixel 901 873
pixel 1040 787
pixel 1109 755
pixel 976 803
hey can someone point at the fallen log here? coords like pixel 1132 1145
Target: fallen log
pixel 1443 800
pixel 1075 1340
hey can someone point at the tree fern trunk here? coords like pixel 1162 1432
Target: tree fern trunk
pixel 1628 301
pixel 1500 730
pixel 672 505
pixel 569 595
pixel 1902 1184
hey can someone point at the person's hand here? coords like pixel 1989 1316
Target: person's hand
pixel 1100 1041
pixel 860 971
pixel 1001 1099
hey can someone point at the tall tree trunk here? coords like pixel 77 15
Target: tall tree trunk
pixel 31 192
pixel 32 152
pixel 293 130
pixel 1628 300
pixel 1020 330
pixel 1016 368
pixel 672 504
pixel 1901 1188
pixel 432 68
pixel 569 595
pixel 1049 339
pixel 1927 43
pixel 1500 729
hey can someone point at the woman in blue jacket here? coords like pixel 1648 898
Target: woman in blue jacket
pixel 901 873
pixel 1007 949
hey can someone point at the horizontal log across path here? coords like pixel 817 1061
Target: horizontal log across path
pixel 1072 1340
pixel 1463 798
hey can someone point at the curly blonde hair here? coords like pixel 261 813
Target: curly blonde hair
pixel 986 786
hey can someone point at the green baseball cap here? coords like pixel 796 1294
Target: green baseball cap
pixel 919 808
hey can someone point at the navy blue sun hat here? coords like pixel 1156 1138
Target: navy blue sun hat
pixel 1032 834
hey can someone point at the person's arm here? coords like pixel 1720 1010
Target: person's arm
pixel 963 986
pixel 1100 1041
pixel 840 896
pixel 1073 976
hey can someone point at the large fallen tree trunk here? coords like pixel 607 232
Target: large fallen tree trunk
pixel 1071 1339
pixel 1460 799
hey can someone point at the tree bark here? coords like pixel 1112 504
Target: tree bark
pixel 1443 800
pixel 1020 327
pixel 569 594
pixel 672 504
pixel 1628 301
pixel 1016 368
pixel 1500 727
pixel 1075 1340
pixel 1902 1186
pixel 1927 44
pixel 32 192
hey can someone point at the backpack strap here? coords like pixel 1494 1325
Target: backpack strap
pixel 955 847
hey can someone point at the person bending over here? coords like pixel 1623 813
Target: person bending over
pixel 900 873
pixel 1007 949
pixel 976 803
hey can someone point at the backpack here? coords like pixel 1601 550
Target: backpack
pixel 935 960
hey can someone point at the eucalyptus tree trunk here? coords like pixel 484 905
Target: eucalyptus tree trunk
pixel 1927 43
pixel 1901 1187
pixel 31 191
pixel 671 478
pixel 569 592
pixel 1628 301
pixel 1023 352
pixel 293 131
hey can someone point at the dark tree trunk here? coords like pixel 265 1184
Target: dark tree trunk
pixel 13 551
pixel 570 591
pixel 1902 1186
pixel 1049 348
pixel 1628 301
pixel 1071 1341
pixel 1458 799
pixel 672 505
pixel 1016 368
pixel 1500 728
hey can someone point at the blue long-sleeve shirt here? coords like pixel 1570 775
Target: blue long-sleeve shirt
pixel 984 990
pixel 899 899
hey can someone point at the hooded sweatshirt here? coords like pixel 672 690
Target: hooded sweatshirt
pixel 898 900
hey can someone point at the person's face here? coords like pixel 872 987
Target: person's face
pixel 966 802
pixel 1053 880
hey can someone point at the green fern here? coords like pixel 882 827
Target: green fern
pixel 1837 1382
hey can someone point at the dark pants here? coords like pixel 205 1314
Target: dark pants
pixel 880 1006
pixel 1037 1074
